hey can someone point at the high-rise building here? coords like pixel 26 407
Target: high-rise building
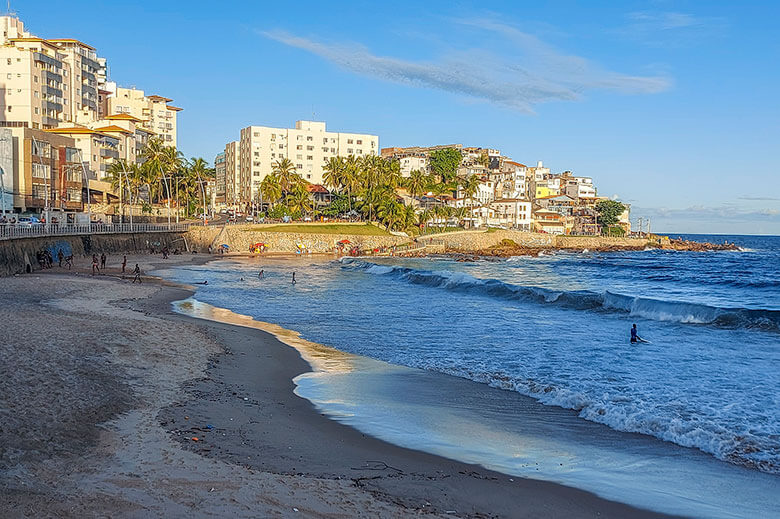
pixel 155 112
pixel 233 186
pixel 219 174
pixel 46 81
pixel 309 146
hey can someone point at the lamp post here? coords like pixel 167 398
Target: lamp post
pixel 86 181
pixel 129 192
pixel 2 182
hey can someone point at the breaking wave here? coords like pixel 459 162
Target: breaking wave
pixel 647 308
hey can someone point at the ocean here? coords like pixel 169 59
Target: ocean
pixel 524 365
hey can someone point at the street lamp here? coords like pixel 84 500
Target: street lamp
pixel 86 181
pixel 2 182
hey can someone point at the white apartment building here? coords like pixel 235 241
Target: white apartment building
pixel 44 82
pixel 409 164
pixel 309 146
pixel 219 174
pixel 155 112
pixel 511 213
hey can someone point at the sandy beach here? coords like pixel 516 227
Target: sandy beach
pixel 105 387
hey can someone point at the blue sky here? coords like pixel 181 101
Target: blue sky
pixel 670 106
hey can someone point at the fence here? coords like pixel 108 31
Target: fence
pixel 14 231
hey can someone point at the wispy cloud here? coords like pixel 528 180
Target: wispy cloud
pixel 714 214
pixel 530 72
pixel 760 198
pixel 669 27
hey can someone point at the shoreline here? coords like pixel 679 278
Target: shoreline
pixel 132 466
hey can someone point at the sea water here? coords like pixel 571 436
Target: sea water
pixel 704 394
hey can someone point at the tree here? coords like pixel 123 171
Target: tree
pixel 416 183
pixel 609 212
pixel 333 175
pixel 271 188
pixel 284 170
pixel 445 162
pixel 298 201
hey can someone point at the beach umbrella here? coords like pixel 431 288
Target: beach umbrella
pixel 345 241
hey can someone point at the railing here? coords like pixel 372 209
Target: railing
pixel 9 231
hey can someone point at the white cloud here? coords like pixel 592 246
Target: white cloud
pixel 530 72
pixel 669 27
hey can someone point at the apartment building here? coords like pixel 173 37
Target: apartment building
pixel 45 82
pixel 155 112
pixel 45 171
pixel 219 174
pixel 234 189
pixel 309 146
pixel 6 171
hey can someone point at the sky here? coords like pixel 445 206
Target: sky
pixel 671 107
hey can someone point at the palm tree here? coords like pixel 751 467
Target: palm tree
pixel 410 219
pixel 284 169
pixel 271 188
pixel 416 183
pixel 198 170
pixel 298 200
pixel 351 176
pixel 334 173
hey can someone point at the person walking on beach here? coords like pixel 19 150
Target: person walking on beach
pixel 124 263
pixel 95 266
pixel 102 261
pixel 60 257
pixel 137 272
pixel 293 278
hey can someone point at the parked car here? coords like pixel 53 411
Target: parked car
pixel 250 218
pixel 28 221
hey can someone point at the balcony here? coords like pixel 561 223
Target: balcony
pixel 109 153
pixel 88 102
pixel 52 76
pixel 43 58
pixel 49 122
pixel 47 90
pixel 52 106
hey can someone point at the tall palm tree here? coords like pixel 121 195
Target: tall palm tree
pixel 333 175
pixel 284 169
pixel 352 174
pixel 271 188
pixel 416 183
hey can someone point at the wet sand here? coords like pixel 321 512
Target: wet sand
pixel 104 387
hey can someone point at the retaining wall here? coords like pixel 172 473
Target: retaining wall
pixel 18 256
pixel 240 237
pixel 481 240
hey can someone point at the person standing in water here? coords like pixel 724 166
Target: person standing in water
pixel 261 274
pixel 293 278
pixel 635 338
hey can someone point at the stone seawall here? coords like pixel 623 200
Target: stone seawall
pixel 240 237
pixel 18 256
pixel 471 241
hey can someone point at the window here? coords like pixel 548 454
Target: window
pixel 299 166
pixel 281 146
pixel 308 176
pixel 299 157
pixel 299 147
pixel 349 141
pixel 39 191
pixel 324 141
pixel 74 194
pixel 309 157
pixel 359 142
pixel 40 170
pixel 309 148
pixel 309 138
pixel 349 151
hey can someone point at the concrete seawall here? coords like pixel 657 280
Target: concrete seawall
pixel 18 256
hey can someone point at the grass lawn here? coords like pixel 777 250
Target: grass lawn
pixel 326 228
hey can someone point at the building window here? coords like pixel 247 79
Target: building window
pixel 299 147
pixel 309 157
pixel 349 141
pixel 359 142
pixel 309 138
pixel 299 166
pixel 40 170
pixel 349 151
pixel 309 148
pixel 39 191
pixel 281 146
pixel 299 157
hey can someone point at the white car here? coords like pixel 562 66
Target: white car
pixel 28 221
pixel 250 219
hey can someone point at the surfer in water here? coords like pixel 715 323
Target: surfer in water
pixel 261 274
pixel 635 338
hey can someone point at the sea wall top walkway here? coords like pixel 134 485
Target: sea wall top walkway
pixel 16 231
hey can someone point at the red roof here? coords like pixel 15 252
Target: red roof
pixel 317 188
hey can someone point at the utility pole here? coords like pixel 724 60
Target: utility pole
pixel 86 181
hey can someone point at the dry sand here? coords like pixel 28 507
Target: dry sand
pixel 103 387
